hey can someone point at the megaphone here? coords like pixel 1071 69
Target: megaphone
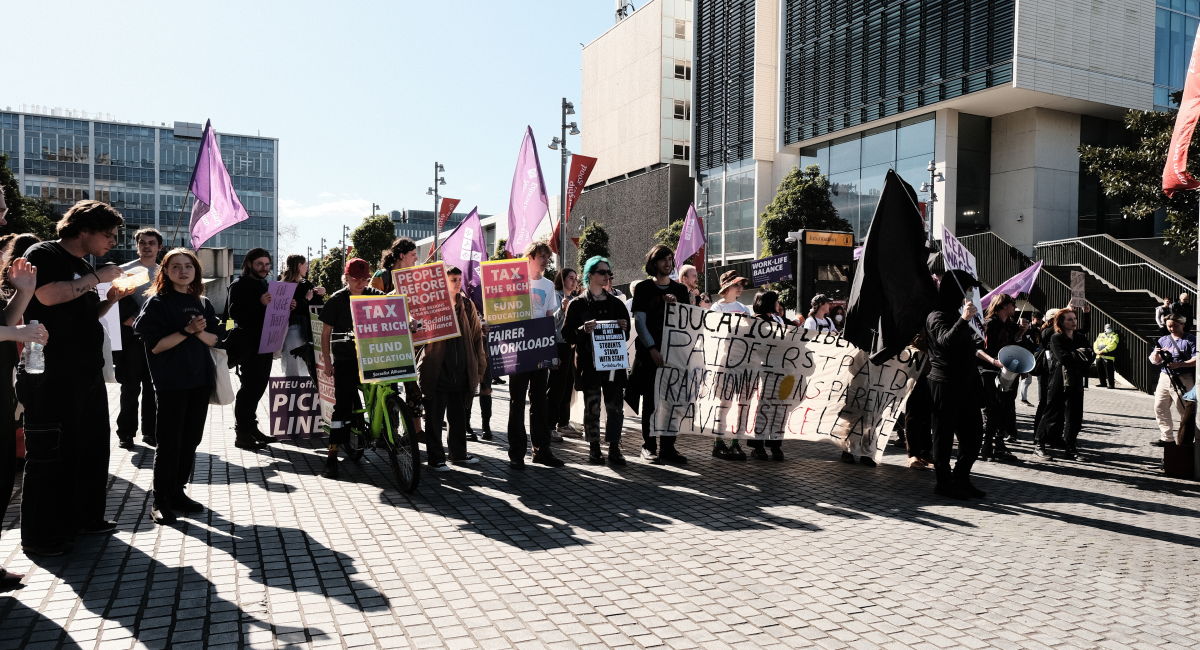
pixel 1016 361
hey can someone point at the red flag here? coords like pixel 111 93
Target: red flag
pixel 1175 173
pixel 444 212
pixel 581 168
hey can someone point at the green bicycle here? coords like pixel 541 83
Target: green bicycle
pixel 389 425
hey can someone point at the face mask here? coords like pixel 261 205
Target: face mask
pixel 838 318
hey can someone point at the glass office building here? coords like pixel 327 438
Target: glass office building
pixel 144 172
pixel 1174 32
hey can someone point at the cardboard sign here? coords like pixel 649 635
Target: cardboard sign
pixel 385 348
pixel 428 301
pixel 740 377
pixel 275 321
pixel 957 256
pixel 1078 292
pixel 506 297
pixel 608 346
pixel 324 380
pixel 775 268
pixel 295 408
pixel 522 346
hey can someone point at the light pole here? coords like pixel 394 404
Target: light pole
pixel 322 252
pixel 560 144
pixel 374 207
pixel 345 236
pixel 707 217
pixel 434 190
pixel 934 176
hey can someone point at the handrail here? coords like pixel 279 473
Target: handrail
pixel 1112 278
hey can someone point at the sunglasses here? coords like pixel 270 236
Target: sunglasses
pixel 604 272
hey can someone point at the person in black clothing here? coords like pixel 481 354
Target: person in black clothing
pixel 650 300
pixel 1042 356
pixel 1182 307
pixel 299 332
pixel 248 299
pixel 766 307
pixel 558 390
pixel 132 367
pixel 954 385
pixel 1000 404
pixel 597 304
pixel 341 356
pixel 178 325
pixel 1071 353
pixel 66 407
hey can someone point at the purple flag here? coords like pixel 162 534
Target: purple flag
pixel 691 238
pixel 217 206
pixel 1016 285
pixel 527 202
pixel 465 248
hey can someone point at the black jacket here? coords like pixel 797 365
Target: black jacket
pixel 581 310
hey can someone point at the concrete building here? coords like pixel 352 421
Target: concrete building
pixel 143 170
pixel 999 94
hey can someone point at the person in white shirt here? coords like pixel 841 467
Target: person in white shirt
pixel 818 315
pixel 732 286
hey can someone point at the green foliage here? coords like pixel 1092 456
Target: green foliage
pixel 1132 174
pixel 669 236
pixel 593 241
pixel 802 201
pixel 501 253
pixel 372 237
pixel 25 214
pixel 327 271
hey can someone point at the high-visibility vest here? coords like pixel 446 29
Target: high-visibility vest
pixel 1105 344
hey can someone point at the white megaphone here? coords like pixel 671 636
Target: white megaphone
pixel 1016 361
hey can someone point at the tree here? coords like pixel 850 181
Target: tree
pixel 327 271
pixel 802 201
pixel 593 241
pixel 669 236
pixel 25 214
pixel 372 237
pixel 501 253
pixel 1131 174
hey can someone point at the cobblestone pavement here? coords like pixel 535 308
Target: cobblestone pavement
pixel 808 552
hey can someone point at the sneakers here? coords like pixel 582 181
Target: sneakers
pixel 1042 452
pixel 548 459
pixel 469 460
pixel 672 458
pixel 555 436
pixel 648 455
pixel 517 465
pixel 471 437
pixel 440 467
pixel 917 463
pixel 615 457
pixel 161 514
pixel 100 527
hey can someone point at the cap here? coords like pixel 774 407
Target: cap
pixel 358 268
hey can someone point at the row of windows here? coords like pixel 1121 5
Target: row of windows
pixel 1175 26
pixel 724 79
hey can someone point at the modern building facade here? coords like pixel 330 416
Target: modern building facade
pixel 998 94
pixel 418 224
pixel 143 171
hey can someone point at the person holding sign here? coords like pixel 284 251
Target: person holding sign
pixel 732 286
pixel 594 307
pixel 766 305
pixel 532 382
pixel 178 325
pixel 248 300
pixel 299 331
pixel 558 393
pixel 818 315
pixel 650 300
pixel 340 357
pixel 400 255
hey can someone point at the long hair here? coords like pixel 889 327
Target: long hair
pixel 14 246
pixel 1058 319
pixel 560 277
pixel 654 255
pixel 291 272
pixel 765 302
pixel 999 301
pixel 251 255
pixel 162 281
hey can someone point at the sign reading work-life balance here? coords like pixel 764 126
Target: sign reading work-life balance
pixel 428 301
pixel 775 268
pixel 734 376
pixel 385 347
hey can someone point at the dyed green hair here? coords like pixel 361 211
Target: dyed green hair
pixel 590 266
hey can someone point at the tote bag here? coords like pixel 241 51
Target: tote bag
pixel 222 394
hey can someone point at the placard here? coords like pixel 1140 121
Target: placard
pixel 295 408
pixel 742 377
pixel 111 320
pixel 275 320
pixel 522 346
pixel 385 349
pixel 956 256
pixel 428 301
pixel 775 268
pixel 1078 291
pixel 324 379
pixel 506 296
pixel 608 346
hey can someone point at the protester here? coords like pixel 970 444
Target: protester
pixel 766 307
pixel 1160 314
pixel 650 300
pixel 1104 347
pixel 690 278
pixel 532 382
pixel 837 313
pixel 299 331
pixel 781 312
pixel 999 403
pixel 178 325
pixel 918 413
pixel 732 286
pixel 818 315
pixel 132 367
pixel 340 357
pixel 1030 341
pixel 954 385
pixel 1071 354
pixel 400 255
pixel 448 372
pixel 248 300
pixel 1041 369
pixel 558 392
pixel 20 280
pixel 1175 353
pixel 66 407
pixel 1185 309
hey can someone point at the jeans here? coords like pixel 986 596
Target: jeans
pixel 1026 382
pixel 255 372
pixel 448 406
pixel 181 419
pixel 293 366
pixel 133 371
pixel 533 383
pixel 955 414
pixel 614 408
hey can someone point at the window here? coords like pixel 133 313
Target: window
pixel 681 151
pixel 683 70
pixel 683 109
pixel 680 28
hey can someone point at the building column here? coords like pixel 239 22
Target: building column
pixel 945 158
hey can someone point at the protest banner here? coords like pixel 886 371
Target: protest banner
pixel 1078 291
pixel 608 346
pixel 521 346
pixel 295 408
pixel 775 268
pixel 385 348
pixel 957 256
pixel 735 376
pixel 506 296
pixel 275 321
pixel 324 379
pixel 428 301
pixel 111 320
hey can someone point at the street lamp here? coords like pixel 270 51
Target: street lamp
pixel 560 144
pixel 934 176
pixel 374 207
pixel 322 253
pixel 434 191
pixel 707 217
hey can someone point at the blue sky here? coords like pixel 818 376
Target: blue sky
pixel 363 96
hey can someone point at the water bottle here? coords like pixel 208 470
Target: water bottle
pixel 35 358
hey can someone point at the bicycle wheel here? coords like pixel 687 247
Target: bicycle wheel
pixel 402 446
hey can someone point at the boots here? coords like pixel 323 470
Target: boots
pixel 331 463
pixel 615 457
pixel 595 457
pixel 245 438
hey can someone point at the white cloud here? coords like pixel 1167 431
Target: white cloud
pixel 339 210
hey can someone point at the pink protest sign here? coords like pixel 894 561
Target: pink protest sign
pixel 275 321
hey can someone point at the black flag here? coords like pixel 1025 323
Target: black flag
pixel 893 291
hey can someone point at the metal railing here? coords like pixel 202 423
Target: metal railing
pixel 1115 264
pixel 996 260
